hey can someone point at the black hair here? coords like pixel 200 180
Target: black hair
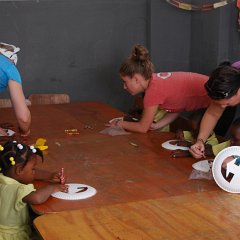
pixel 223 83
pixel 225 63
pixel 235 64
pixel 13 153
pixel 236 122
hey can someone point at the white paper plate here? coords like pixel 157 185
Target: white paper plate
pixel 170 146
pixel 234 185
pixel 76 191
pixel 203 166
pixel 114 119
pixel 9 132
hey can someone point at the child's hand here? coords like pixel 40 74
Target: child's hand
pixel 60 188
pixel 56 178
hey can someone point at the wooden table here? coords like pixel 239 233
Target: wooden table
pixel 135 178
pixel 119 171
pixel 206 215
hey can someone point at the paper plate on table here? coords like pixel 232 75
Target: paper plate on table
pixel 9 133
pixel 203 166
pixel 226 169
pixel 168 145
pixel 76 191
pixel 115 119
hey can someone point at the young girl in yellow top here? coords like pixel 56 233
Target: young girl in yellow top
pixel 18 170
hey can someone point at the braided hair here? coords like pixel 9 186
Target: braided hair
pixel 13 153
pixel 137 62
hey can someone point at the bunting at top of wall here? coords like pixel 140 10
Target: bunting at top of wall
pixel 202 7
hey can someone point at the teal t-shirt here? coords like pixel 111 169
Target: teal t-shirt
pixel 8 71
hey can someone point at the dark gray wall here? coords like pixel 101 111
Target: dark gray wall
pixel 74 46
pixel 193 40
pixel 77 46
pixel 214 38
pixel 170 37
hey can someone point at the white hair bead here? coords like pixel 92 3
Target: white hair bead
pixel 20 146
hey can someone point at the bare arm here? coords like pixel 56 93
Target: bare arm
pixel 142 126
pixel 21 110
pixel 209 121
pixel 168 118
pixel 41 195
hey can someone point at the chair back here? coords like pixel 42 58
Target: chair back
pixel 5 103
pixel 41 99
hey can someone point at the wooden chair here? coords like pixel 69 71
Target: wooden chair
pixel 41 99
pixel 6 103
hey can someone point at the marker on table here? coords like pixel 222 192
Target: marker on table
pixel 62 177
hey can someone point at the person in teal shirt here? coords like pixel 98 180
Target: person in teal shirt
pixel 11 79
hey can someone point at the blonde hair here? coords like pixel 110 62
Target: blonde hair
pixel 137 62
